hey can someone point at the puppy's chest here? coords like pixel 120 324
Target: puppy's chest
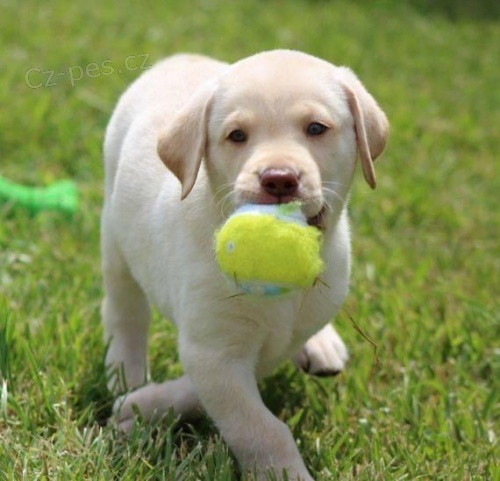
pixel 289 325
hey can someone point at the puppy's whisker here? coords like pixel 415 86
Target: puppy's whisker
pixel 220 190
pixel 327 202
pixel 219 193
pixel 333 183
pixel 330 189
pixel 334 194
pixel 223 187
pixel 224 203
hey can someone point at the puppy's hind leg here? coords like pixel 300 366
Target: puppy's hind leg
pixel 125 317
pixel 324 354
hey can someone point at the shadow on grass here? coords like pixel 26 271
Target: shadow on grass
pixel 163 448
pixel 283 393
pixel 92 400
pixel 455 10
pixel 169 445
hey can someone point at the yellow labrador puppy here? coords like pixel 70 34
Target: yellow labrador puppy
pixel 192 139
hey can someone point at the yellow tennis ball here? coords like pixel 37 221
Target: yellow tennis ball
pixel 269 250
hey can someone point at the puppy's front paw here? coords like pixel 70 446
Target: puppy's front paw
pixel 144 400
pixel 324 354
pixel 153 401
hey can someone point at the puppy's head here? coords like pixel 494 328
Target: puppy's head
pixel 276 127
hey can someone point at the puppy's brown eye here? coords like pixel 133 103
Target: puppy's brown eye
pixel 315 128
pixel 237 136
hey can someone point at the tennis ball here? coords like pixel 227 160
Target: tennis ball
pixel 269 250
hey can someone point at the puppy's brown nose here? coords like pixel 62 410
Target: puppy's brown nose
pixel 280 183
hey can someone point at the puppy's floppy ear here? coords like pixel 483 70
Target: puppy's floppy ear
pixel 370 122
pixel 182 145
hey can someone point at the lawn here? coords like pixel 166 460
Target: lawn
pixel 426 277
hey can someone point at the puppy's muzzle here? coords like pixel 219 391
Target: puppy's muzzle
pixel 280 186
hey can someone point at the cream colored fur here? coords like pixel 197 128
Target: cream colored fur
pixel 167 140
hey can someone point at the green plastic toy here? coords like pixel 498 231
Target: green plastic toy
pixel 60 196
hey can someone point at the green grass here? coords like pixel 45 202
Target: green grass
pixel 426 278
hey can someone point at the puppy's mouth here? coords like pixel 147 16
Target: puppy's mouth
pixel 318 220
pixel 282 185
pixel 315 218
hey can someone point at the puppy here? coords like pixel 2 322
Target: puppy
pixel 191 140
